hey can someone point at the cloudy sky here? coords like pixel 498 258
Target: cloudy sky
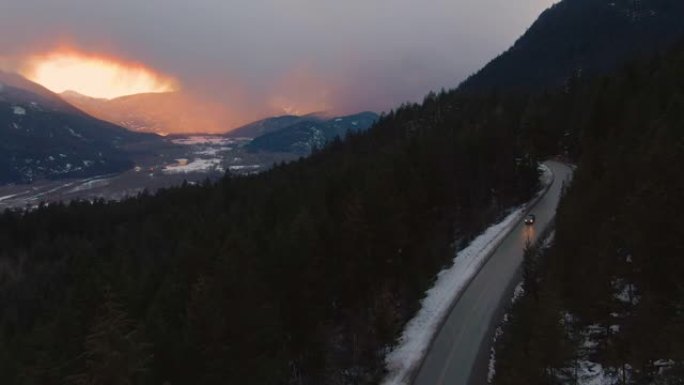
pixel 263 57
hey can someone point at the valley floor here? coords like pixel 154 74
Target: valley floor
pixel 181 158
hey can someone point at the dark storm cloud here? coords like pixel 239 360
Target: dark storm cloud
pixel 262 56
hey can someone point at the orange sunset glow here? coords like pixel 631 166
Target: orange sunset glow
pixel 94 76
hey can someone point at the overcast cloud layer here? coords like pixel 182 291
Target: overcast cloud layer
pixel 263 56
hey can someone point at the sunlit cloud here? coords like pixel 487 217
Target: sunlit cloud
pixel 92 75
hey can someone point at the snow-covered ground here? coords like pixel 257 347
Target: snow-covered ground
pixel 584 371
pixel 203 140
pixel 625 292
pixel 197 165
pixel 415 340
pixel 7 197
pixel 213 151
pixel 546 177
pixel 491 367
pixel 90 184
pixel 245 167
pixel 192 159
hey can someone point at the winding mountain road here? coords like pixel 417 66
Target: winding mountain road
pixel 461 345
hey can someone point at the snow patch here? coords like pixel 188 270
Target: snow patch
pixel 212 151
pixel 663 364
pixel 591 373
pixel 90 184
pixel 625 292
pixel 586 371
pixel 73 133
pixel 197 165
pixel 6 197
pixel 244 167
pixel 518 293
pixel 546 175
pixel 491 367
pixel 205 140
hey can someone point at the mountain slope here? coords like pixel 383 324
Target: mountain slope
pixel 162 113
pixel 582 37
pixel 303 136
pixel 21 90
pixel 41 136
pixel 270 125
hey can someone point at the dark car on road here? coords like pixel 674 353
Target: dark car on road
pixel 529 220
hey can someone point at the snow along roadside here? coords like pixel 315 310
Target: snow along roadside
pixel 407 356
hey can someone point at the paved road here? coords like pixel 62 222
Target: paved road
pixel 454 352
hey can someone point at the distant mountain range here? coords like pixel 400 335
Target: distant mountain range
pixel 162 113
pixel 300 135
pixel 576 38
pixel 42 136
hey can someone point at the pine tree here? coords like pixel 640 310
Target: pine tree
pixel 115 351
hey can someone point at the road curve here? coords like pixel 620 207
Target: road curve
pixel 453 354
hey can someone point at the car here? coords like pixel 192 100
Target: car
pixel 529 220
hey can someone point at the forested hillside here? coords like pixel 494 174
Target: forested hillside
pixel 606 303
pixel 307 135
pixel 582 38
pixel 43 137
pixel 302 275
